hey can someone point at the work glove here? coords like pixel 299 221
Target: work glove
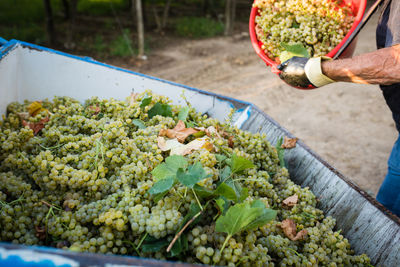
pixel 304 72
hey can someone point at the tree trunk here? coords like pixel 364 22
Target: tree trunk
pixel 230 7
pixel 140 27
pixel 71 25
pixel 51 34
pixel 165 14
pixel 66 9
pixel 157 18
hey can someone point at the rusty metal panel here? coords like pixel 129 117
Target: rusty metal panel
pixel 368 226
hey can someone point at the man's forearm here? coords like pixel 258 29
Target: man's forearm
pixel 379 67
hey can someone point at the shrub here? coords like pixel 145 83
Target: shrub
pixel 198 27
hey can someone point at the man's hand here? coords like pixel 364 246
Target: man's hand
pixel 303 72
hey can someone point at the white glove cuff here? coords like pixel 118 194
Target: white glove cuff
pixel 314 72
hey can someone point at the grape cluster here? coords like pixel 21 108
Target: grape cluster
pixel 320 25
pixel 82 184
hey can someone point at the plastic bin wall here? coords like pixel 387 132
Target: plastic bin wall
pixel 31 72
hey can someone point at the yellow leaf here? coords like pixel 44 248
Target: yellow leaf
pixel 35 108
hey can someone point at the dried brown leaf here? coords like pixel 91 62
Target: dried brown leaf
pixel 230 141
pixel 300 235
pixel 94 109
pixel 180 132
pixel 289 228
pixel 132 98
pixel 23 115
pixel 291 201
pixel 208 145
pixel 161 143
pixel 36 126
pixel 212 131
pixel 289 142
pixel 178 148
pixel 40 232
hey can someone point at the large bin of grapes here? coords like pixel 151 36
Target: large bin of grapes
pixel 32 72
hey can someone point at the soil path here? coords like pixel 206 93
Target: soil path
pixel 349 125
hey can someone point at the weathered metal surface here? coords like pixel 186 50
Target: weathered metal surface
pixel 32 72
pixel 369 227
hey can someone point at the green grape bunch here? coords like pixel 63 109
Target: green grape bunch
pixel 319 25
pixel 95 177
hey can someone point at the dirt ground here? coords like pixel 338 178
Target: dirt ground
pixel 348 125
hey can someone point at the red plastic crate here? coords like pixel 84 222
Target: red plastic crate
pixel 358 8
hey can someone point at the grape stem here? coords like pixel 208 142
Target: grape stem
pixel 226 241
pixel 197 199
pixel 182 230
pixel 141 241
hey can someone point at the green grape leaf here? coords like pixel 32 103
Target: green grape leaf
pixel 281 152
pixel 225 174
pixel 203 192
pixel 239 164
pixel 150 244
pixel 226 191
pixel 242 216
pixel 183 114
pixel 220 157
pixel 162 185
pixel 223 204
pixel 266 216
pixel 146 101
pixel 243 194
pixel 169 167
pixel 139 123
pixel 293 50
pixel 194 174
pixel 232 191
pixel 193 210
pixel 160 109
pixel 180 246
pixel 158 197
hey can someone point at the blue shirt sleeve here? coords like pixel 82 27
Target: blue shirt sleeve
pixel 393 25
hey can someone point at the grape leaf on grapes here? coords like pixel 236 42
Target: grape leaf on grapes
pixel 151 244
pixel 169 167
pixel 181 245
pixel 160 109
pixel 293 50
pixel 243 216
pixel 239 164
pixel 162 185
pixel 232 191
pixel 145 101
pixel 203 192
pixel 194 174
pixel 183 114
pixel 223 204
pixel 193 210
pixel 139 123
pixel 229 188
pixel 281 153
pixel 158 197
pixel 220 157
pixel 266 216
